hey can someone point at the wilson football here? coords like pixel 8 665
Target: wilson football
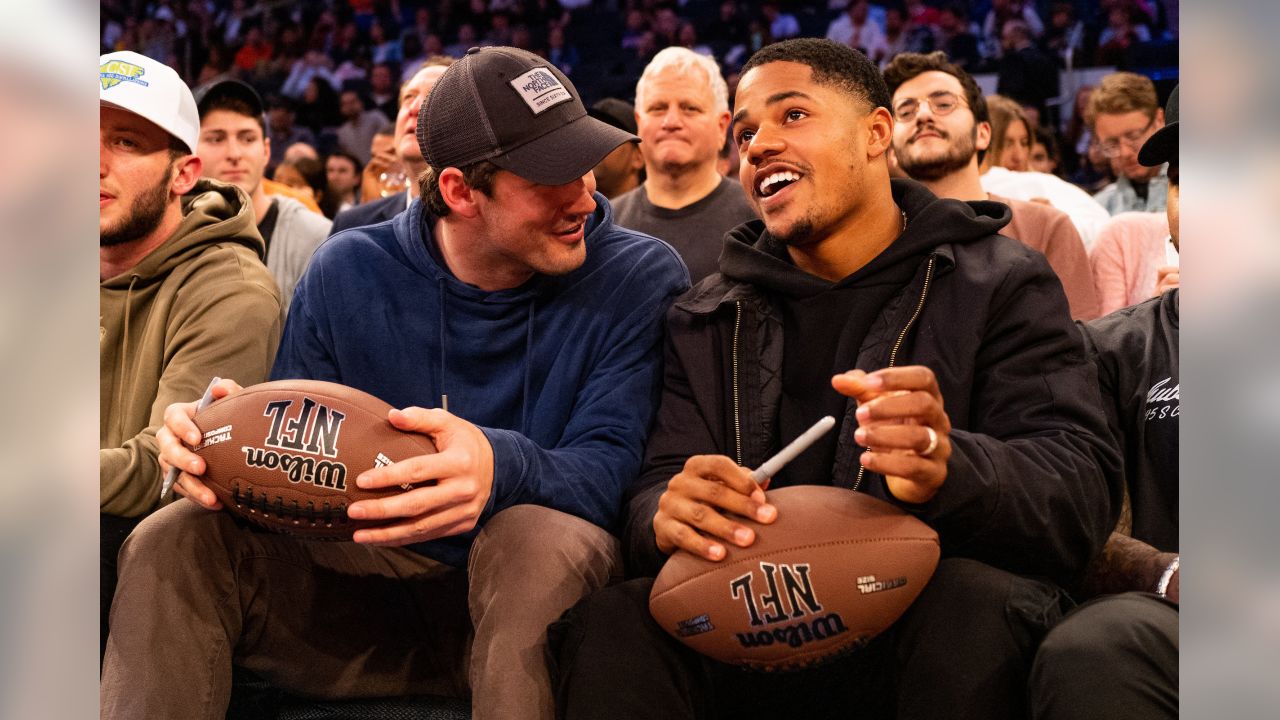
pixel 285 454
pixel 833 571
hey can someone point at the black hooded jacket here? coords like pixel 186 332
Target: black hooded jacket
pixel 1033 483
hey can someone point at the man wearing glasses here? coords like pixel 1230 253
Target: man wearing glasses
pixel 941 125
pixel 1123 112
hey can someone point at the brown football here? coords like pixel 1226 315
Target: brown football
pixel 285 454
pixel 833 571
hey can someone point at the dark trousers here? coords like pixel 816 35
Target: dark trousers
pixel 112 530
pixel 963 650
pixel 1114 657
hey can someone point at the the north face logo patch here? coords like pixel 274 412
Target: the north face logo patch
pixel 540 90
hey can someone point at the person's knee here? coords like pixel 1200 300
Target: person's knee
pixel 968 602
pixel 1105 632
pixel 534 562
pixel 1119 651
pixel 540 542
pixel 180 534
pixel 961 587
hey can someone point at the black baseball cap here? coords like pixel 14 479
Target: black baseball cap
pixel 516 110
pixel 618 113
pixel 1162 146
pixel 207 93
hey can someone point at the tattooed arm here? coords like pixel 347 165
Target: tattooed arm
pixel 1126 564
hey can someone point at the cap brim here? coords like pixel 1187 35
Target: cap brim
pixel 566 153
pixel 609 118
pixel 1161 147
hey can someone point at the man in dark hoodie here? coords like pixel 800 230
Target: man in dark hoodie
pixel 924 301
pixel 183 293
pixel 509 297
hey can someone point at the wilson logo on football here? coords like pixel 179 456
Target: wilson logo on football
pixel 790 596
pixel 312 429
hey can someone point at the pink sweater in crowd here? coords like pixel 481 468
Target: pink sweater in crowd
pixel 1129 249
pixel 1049 230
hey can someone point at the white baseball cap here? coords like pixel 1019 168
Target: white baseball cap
pixel 152 90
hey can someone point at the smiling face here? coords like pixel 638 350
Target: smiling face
pixel 527 228
pixel 932 146
pixel 678 121
pixel 807 153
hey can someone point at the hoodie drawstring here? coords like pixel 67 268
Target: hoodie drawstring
pixel 124 341
pixel 444 386
pixel 528 373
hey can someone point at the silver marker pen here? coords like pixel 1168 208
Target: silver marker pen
pixel 774 465
pixel 171 477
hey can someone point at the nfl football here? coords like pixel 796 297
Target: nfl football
pixel 285 454
pixel 834 570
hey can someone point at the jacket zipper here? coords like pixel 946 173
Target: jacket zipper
pixel 893 355
pixel 737 417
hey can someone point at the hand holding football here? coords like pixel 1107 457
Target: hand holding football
pixel 835 569
pixel 285 454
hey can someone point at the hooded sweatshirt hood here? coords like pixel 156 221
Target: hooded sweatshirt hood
pixel 201 304
pixel 752 255
pixel 560 373
pixel 212 213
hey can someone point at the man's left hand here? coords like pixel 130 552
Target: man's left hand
pixel 453 485
pixel 902 423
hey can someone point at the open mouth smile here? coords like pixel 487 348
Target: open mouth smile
pixel 774 182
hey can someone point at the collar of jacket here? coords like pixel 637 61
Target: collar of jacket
pixel 709 296
pixel 762 349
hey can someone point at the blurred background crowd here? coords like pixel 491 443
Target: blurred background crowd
pixel 330 71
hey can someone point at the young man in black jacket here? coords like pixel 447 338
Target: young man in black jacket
pixel 1017 472
pixel 1118 654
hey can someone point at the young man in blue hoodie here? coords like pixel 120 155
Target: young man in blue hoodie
pixel 508 296
pixel 872 301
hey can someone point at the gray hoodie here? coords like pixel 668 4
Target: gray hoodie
pixel 298 233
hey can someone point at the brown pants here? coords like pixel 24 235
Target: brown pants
pixel 198 593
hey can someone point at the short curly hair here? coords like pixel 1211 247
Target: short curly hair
pixel 908 65
pixel 832 64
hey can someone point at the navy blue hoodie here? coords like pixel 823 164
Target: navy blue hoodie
pixel 562 373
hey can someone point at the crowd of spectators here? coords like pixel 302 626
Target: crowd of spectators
pixel 330 71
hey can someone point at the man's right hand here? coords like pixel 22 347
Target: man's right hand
pixel 176 435
pixel 692 511
pixel 382 161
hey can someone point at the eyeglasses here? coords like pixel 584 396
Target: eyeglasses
pixel 1132 140
pixel 941 103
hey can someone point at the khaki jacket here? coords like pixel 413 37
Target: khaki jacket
pixel 200 305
